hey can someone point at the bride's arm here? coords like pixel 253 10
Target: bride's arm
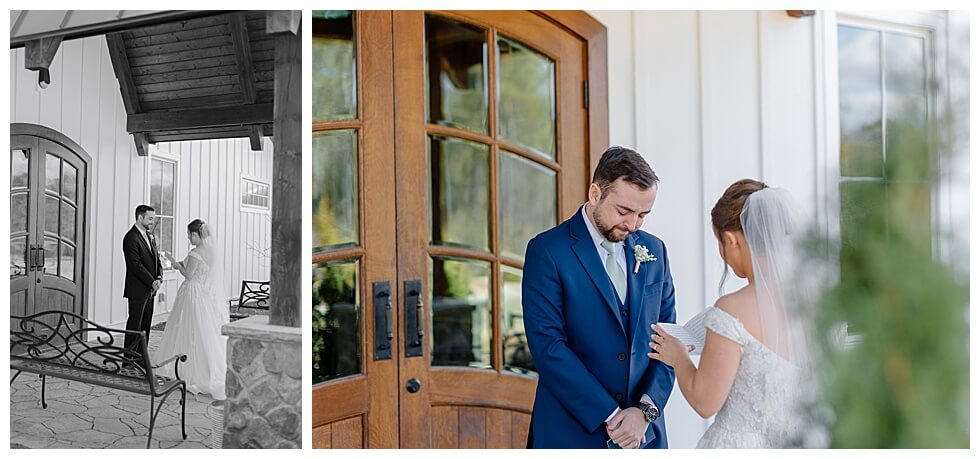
pixel 187 266
pixel 706 387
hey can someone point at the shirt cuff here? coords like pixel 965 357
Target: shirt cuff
pixel 646 398
pixel 614 413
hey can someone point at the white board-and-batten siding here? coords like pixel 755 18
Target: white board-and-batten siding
pixel 710 97
pixel 83 102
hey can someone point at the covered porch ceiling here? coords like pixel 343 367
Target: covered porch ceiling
pixel 182 75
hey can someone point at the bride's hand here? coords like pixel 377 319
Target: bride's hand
pixel 667 348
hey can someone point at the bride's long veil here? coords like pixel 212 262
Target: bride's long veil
pixel 217 276
pixel 773 230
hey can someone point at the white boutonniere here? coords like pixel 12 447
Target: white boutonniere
pixel 642 255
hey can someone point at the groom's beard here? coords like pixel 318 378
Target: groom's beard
pixel 604 230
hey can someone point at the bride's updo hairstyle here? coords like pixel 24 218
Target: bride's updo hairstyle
pixel 195 227
pixel 726 215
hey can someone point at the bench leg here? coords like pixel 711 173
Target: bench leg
pixel 153 418
pixel 44 403
pixel 15 376
pixel 183 409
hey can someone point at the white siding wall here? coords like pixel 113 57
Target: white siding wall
pixel 710 97
pixel 83 102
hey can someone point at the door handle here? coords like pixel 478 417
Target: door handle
pixel 413 385
pixel 414 315
pixel 31 261
pixel 382 320
pixel 40 258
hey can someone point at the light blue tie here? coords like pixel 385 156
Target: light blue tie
pixel 615 271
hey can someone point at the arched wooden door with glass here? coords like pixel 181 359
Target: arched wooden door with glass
pixel 48 178
pixel 443 142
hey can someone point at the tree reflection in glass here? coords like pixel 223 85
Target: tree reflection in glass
pixel 455 57
pixel 334 67
pixel 461 322
pixel 336 321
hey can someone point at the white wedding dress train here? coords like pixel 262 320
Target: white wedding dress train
pixel 194 329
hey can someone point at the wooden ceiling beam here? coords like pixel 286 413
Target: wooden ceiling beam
pixel 255 137
pixel 201 118
pixel 142 144
pixel 243 56
pixel 120 65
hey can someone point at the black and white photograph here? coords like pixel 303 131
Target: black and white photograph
pixel 155 235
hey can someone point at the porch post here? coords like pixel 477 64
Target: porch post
pixel 287 172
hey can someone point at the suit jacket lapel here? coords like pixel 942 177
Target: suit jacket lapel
pixel 146 244
pixel 589 257
pixel 633 287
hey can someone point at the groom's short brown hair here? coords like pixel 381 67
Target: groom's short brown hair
pixel 622 162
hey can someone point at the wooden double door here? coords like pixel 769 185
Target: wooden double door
pixel 442 142
pixel 48 189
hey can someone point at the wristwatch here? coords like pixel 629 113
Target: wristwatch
pixel 650 412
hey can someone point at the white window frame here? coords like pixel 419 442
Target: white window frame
pixel 159 155
pixel 931 25
pixel 241 194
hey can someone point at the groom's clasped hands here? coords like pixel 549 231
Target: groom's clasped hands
pixel 628 428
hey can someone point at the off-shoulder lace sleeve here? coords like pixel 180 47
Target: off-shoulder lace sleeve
pixel 725 325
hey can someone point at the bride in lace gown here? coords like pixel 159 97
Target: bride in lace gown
pixel 194 325
pixel 750 376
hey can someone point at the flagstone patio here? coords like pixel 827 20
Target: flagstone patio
pixel 81 415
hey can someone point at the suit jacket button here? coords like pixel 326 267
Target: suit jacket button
pixel 619 397
pixel 621 356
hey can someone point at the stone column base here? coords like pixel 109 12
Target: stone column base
pixel 264 385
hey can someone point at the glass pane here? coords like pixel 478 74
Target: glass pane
pixel 51 256
pixel 861 221
pixel 18 256
pixel 911 205
pixel 156 177
pixel 526 97
pixel 517 354
pixel 69 183
pixel 19 168
pixel 906 110
pixel 459 195
pixel 51 210
pixel 335 220
pixel 18 212
pixel 522 218
pixel 52 173
pixel 860 102
pixel 455 58
pixel 336 321
pixel 67 261
pixel 165 234
pixel 334 67
pixel 461 323
pixel 68 213
pixel 167 189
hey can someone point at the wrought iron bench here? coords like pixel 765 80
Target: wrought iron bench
pixel 67 346
pixel 254 294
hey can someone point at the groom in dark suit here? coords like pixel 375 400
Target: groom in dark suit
pixel 592 286
pixel 144 272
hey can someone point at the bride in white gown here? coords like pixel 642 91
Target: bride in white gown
pixel 194 325
pixel 751 372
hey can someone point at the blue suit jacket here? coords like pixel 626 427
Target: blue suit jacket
pixel 586 364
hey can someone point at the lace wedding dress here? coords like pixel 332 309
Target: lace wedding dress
pixel 194 329
pixel 762 407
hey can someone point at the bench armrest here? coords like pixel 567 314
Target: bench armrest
pixel 177 359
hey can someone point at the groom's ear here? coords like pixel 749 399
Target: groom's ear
pixel 595 193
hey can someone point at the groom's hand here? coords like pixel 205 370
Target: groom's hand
pixel 628 428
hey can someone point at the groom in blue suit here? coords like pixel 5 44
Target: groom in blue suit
pixel 592 286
